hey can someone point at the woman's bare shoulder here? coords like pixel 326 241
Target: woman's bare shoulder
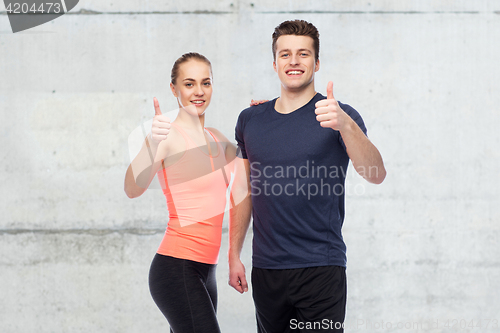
pixel 220 136
pixel 229 147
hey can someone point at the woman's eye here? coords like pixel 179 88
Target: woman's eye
pixel 189 84
pixel 208 83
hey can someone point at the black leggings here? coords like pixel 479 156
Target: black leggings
pixel 186 293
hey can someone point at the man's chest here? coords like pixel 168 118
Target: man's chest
pixel 285 141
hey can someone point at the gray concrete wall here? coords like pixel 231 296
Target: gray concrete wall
pixel 423 247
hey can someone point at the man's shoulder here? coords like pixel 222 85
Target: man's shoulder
pixel 257 109
pixel 345 107
pixel 354 114
pixel 349 110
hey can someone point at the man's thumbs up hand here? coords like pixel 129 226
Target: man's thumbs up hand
pixel 329 90
pixel 329 113
pixel 161 124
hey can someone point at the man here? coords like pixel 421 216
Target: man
pixel 294 154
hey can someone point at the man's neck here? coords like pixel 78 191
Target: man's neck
pixel 290 101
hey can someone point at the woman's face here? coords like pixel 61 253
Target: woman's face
pixel 193 86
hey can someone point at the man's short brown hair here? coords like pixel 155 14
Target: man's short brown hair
pixel 297 28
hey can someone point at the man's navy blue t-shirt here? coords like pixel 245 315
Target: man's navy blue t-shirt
pixel 297 174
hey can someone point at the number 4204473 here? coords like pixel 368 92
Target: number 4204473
pixel 41 8
pixel 471 324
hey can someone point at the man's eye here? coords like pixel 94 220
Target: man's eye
pixel 284 55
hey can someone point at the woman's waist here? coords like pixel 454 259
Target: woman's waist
pixel 188 224
pixel 196 239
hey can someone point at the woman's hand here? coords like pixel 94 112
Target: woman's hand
pixel 258 101
pixel 161 125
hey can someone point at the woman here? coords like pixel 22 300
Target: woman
pixel 192 165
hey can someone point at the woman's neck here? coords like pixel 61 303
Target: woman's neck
pixel 187 120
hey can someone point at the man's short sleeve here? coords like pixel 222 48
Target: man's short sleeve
pixel 240 126
pixel 356 117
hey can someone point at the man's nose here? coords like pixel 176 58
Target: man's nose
pixel 294 59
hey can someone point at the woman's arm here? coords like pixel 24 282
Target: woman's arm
pixel 144 166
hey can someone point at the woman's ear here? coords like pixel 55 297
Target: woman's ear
pixel 172 87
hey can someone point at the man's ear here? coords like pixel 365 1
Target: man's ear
pixel 316 67
pixel 274 66
pixel 173 89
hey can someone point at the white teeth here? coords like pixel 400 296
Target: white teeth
pixel 197 102
pixel 294 72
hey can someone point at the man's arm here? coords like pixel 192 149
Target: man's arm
pixel 239 221
pixel 365 157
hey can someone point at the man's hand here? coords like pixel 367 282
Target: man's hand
pixel 237 278
pixel 161 125
pixel 329 113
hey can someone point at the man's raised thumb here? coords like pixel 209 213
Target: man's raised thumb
pixel 329 90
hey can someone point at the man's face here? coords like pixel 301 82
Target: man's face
pixel 294 62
